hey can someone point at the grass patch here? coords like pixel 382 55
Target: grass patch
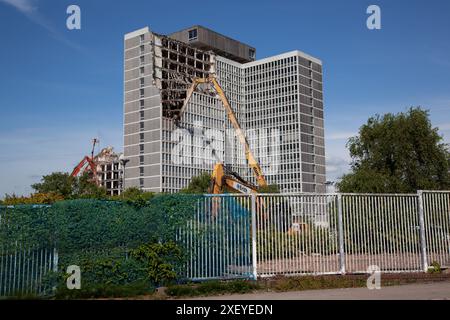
pixel 299 283
pixel 290 283
pixel 212 288
pixel 23 296
pixel 105 291
pixel 216 288
pixel 313 283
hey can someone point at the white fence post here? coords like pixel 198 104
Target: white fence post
pixel 341 235
pixel 254 252
pixel 55 260
pixel 423 248
pixel 55 266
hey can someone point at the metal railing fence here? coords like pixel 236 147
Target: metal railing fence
pixel 217 239
pixel 247 236
pixel 24 271
pixel 381 230
pixel 299 234
pixel 436 214
pixel 296 234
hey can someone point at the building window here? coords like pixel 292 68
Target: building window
pixel 141 115
pixel 142 92
pixel 251 53
pixel 142 49
pixel 141 125
pixel 142 38
pixel 141 102
pixel 142 59
pixel 141 148
pixel 141 182
pixel 192 34
pixel 142 71
pixel 141 160
pixel 141 137
pixel 141 171
pixel 142 82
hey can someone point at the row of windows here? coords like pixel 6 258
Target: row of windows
pixel 225 67
pixel 272 64
pixel 231 82
pixel 175 183
pixel 177 171
pixel 278 122
pixel 274 93
pixel 272 102
pixel 306 112
pixel 270 84
pixel 276 73
pixel 306 67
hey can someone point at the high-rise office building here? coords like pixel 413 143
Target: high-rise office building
pixel 277 100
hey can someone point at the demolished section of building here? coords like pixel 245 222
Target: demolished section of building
pixel 106 169
pixel 280 97
pixel 110 170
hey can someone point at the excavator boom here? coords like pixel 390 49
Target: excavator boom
pixel 241 136
pixel 253 163
pixel 189 93
pixel 89 163
pixel 86 160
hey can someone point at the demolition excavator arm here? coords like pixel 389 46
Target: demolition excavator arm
pixel 219 177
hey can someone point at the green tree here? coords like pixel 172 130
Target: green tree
pixel 271 188
pixel 36 198
pixel 69 187
pixel 198 184
pixel 134 195
pixel 397 153
pixel 58 182
pixel 84 187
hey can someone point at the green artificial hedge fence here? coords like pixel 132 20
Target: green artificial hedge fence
pixel 115 243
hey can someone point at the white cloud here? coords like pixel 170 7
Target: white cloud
pixel 340 135
pixel 444 127
pixel 25 6
pixel 336 167
pixel 29 153
pixel 30 9
pixel 337 156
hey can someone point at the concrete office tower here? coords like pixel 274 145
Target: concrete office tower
pixel 277 100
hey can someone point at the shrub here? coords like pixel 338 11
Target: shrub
pixel 159 260
pixel 116 244
pixel 102 290
pixel 308 241
pixel 435 267
pixel 212 288
pixel 36 198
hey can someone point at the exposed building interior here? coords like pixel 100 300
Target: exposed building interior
pixel 175 64
pixel 105 169
pixel 110 170
pixel 277 98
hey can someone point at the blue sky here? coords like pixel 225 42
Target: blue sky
pixel 61 88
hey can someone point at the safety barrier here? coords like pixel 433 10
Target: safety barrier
pixel 248 236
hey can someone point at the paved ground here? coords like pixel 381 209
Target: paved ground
pixel 430 291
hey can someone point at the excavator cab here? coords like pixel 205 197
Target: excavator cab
pixel 223 178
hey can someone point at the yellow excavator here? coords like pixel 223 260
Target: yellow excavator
pixel 222 177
